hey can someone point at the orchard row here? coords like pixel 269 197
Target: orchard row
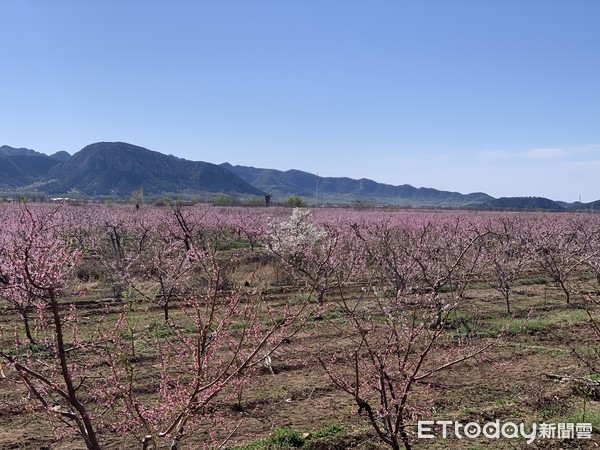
pixel 396 276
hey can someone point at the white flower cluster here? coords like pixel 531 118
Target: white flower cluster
pixel 296 235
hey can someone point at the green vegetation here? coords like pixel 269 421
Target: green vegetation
pixel 224 199
pixel 331 437
pixel 530 281
pixel 295 202
pixel 586 412
pixel 137 197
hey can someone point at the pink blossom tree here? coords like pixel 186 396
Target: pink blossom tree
pixel 508 253
pixel 39 261
pixel 95 382
pixel 392 358
pixel 210 351
pixel 560 251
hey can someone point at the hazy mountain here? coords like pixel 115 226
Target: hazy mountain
pixel 22 166
pixel 61 156
pixel 11 151
pixel 582 207
pixel 10 174
pixel 338 189
pixel 118 168
pixel 524 203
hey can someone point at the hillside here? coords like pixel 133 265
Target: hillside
pixel 523 203
pixel 7 150
pixel 21 166
pixel 117 168
pixel 283 184
pixel 61 156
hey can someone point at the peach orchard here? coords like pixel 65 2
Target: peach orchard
pixel 175 335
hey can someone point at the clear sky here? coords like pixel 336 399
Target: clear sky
pixel 499 96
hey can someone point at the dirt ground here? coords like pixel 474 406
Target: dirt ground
pixel 517 379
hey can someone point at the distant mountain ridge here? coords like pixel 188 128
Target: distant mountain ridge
pixel 6 150
pixel 116 169
pixel 61 156
pixel 332 189
pixel 525 203
pixel 22 166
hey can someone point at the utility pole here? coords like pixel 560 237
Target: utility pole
pixel 317 192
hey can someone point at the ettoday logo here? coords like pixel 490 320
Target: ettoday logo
pixel 429 429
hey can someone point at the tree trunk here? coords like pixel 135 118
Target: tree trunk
pixel 25 317
pixel 86 428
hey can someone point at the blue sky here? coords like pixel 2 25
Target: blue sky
pixel 500 96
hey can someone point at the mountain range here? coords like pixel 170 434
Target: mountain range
pixel 116 169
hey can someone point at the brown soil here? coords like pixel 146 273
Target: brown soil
pixel 509 382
